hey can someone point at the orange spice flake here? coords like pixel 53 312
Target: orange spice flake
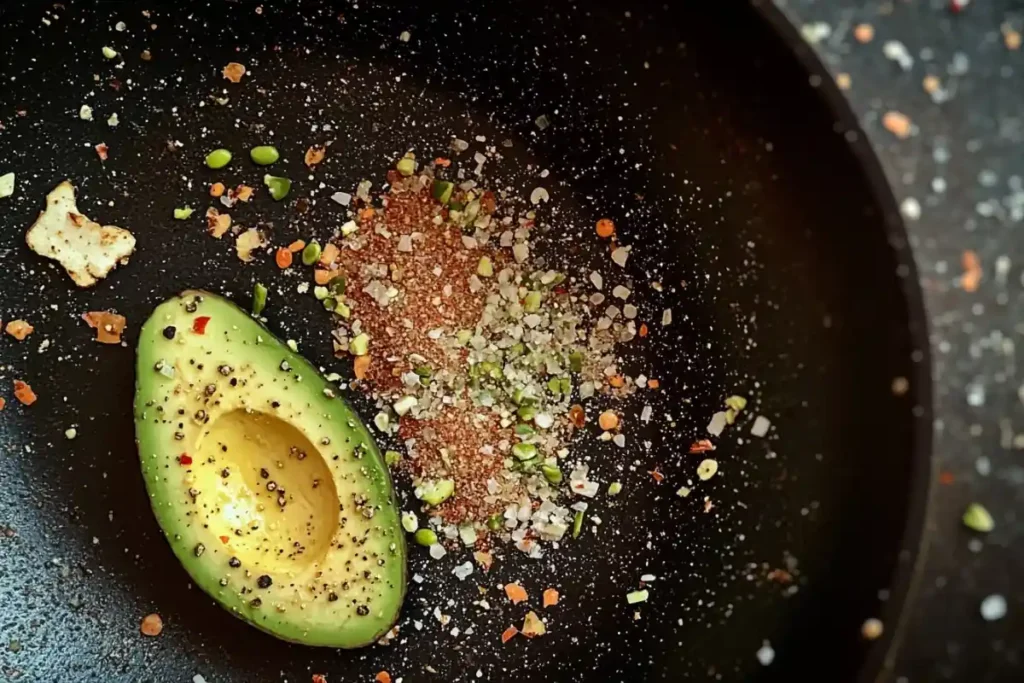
pixel 283 258
pixel 19 329
pixel 864 33
pixel 314 155
pixel 234 72
pixel 509 633
pixel 972 271
pixel 108 326
pixel 24 393
pixel 898 124
pixel 516 593
pixel 550 597
pixel 605 228
pixel 217 189
pixel 383 677
pixel 152 625
pixel 3 403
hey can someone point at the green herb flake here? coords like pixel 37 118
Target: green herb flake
pixel 977 518
pixel 637 597
pixel 577 524
pixel 259 298
pixel 183 213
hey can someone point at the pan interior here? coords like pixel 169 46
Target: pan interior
pixel 691 124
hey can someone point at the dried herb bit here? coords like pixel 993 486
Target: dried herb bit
pixel 259 298
pixel 264 581
pixel 279 187
pixel 977 518
pixel 637 597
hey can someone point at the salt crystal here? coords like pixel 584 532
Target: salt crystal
pixel 666 317
pixel 404 36
pixel 630 311
pixel 198 679
pixel 343 198
pixel 437 551
pixel 619 440
pixel 542 121
pixel 521 251
pixel 993 608
pixel 621 292
pixel 717 424
pixel 463 571
pixel 766 655
pixel 897 52
pixel 405 243
pixel 761 425
pixel 647 578
pixel 539 195
pixel 619 256
pixel 645 414
pixel 596 279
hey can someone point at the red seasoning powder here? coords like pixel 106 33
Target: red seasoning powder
pixel 432 279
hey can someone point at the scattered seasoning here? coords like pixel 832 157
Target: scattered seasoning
pixel 864 33
pixel 314 155
pixel 152 625
pixel 637 597
pixel 279 187
pixel 977 518
pixel 234 72
pixel 6 185
pixel 182 214
pixel 871 629
pixel 550 597
pixel 283 258
pixel 972 271
pixel 19 329
pixel 993 608
pixel 515 593
pixel 217 189
pixel 218 158
pixel 608 420
pixel 605 228
pixel 3 403
pixel 23 392
pixel 702 446
pixel 264 155
pixel 101 151
pixel 185 459
pixel 533 626
pixel 707 469
pixel 200 323
pixel 577 524
pixel 898 124
pixel 383 677
pixel 508 634
pixel 259 298
pixel 108 326
pixel 217 223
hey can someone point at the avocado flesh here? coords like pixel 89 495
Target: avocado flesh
pixel 286 514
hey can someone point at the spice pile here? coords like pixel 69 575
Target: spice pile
pixel 481 362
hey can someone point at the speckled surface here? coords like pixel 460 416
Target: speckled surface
pixel 958 177
pixel 794 285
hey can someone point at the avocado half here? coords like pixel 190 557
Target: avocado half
pixel 268 486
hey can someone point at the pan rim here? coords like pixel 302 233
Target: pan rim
pixel 916 538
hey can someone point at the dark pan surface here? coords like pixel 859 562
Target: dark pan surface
pixel 694 127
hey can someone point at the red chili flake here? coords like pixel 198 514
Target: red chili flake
pixel 224 539
pixel 199 324
pixel 702 446
pixel 101 150
pixel 184 459
pixel 319 678
pixel 658 476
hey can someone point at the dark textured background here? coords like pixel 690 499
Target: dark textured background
pixel 963 166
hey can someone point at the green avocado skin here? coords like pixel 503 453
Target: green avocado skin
pixel 267 485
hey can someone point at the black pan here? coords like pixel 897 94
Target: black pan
pixel 728 161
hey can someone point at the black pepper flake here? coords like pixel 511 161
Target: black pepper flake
pixel 225 473
pixel 169 332
pixel 191 307
pixel 255 602
pixel 271 485
pixel 264 473
pixel 362 610
pixel 200 549
pixel 275 404
pixel 281 501
pixel 225 370
pixel 234 562
pixel 332 597
pixel 285 366
pixel 264 581
pixel 211 389
pixel 178 436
